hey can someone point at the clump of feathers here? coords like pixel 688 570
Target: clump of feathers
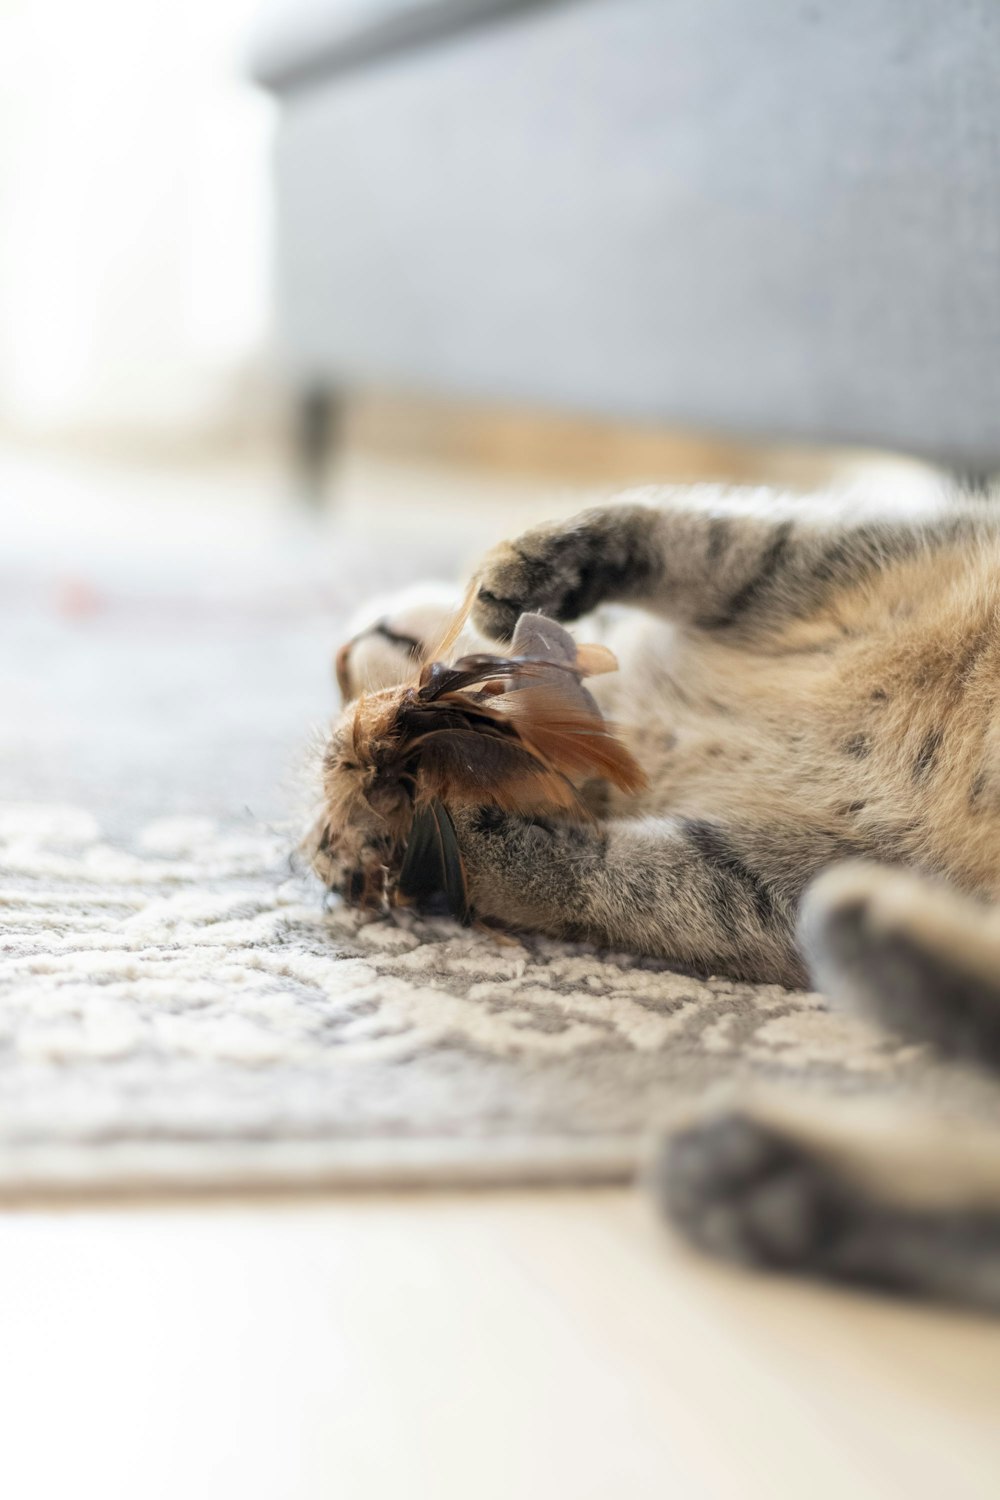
pixel 518 732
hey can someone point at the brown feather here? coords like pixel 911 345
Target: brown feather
pixel 574 741
pixel 468 767
pixel 519 733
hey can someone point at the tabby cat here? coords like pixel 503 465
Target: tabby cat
pixel 813 693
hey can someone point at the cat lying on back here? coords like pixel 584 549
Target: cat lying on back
pixel 815 704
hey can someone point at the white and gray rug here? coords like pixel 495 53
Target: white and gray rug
pixel 177 1007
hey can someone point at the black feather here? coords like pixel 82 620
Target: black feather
pixel 432 865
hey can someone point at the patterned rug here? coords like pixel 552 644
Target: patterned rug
pixel 177 1008
pixel 182 1011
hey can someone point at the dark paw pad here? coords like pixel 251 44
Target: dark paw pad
pixel 743 1192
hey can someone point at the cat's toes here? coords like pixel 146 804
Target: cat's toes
pixel 349 864
pixel 741 1191
pixel 391 638
pixel 562 571
pixel 516 578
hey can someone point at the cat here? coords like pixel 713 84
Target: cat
pixel 812 692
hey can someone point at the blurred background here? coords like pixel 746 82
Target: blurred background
pixel 135 203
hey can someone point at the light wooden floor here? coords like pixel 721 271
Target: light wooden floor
pixel 462 1347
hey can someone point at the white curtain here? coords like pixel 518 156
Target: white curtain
pixel 133 214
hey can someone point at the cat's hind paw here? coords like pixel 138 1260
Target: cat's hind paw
pixel 741 1191
pixel 917 958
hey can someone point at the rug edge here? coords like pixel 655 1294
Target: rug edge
pixel 130 1169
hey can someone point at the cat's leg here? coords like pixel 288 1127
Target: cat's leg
pixel 909 953
pixel 697 892
pixel 726 572
pixel 905 1208
pixel 914 1207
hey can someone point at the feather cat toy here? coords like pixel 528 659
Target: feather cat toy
pixel 518 732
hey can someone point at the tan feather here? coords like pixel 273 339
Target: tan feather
pixel 572 740
pixel 593 660
pixel 441 649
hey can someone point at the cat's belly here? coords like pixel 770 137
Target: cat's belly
pixel 726 766
pixel 727 733
pixel 885 746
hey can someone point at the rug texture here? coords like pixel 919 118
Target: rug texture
pixel 177 1007
pixel 182 1010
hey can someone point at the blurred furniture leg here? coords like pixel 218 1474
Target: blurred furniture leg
pixel 317 419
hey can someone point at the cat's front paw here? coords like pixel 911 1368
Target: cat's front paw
pixel 529 872
pixel 349 863
pixel 563 570
pixel 501 853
